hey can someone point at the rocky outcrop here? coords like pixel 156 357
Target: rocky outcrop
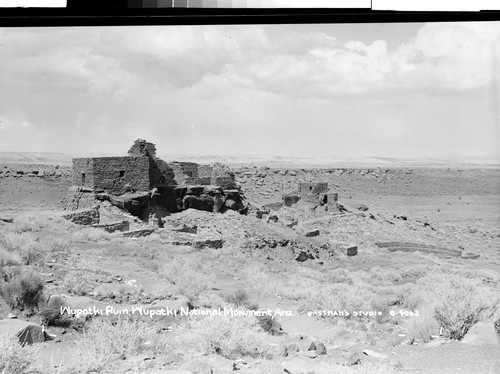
pixel 26 332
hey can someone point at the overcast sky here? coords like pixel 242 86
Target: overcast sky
pixel 391 90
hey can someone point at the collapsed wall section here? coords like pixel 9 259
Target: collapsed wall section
pixel 142 148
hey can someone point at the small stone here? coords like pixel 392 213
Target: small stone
pixel 351 250
pixel 371 353
pixel 317 346
pixel 303 256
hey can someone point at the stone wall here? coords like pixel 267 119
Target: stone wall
pixel 142 170
pixel 113 173
pixel 142 148
pixel 222 176
pixel 313 188
pixel 83 172
pixel 205 174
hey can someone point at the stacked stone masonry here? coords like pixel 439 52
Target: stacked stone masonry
pixel 141 170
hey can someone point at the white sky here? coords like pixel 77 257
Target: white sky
pixel 392 90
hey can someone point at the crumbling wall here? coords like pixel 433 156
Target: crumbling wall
pixel 222 176
pixel 205 174
pixel 141 170
pixel 313 188
pixel 83 172
pixel 113 173
pixel 161 174
pixel 142 148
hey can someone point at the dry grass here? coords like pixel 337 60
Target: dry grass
pixel 423 326
pixel 23 291
pixel 9 258
pixel 90 235
pixel 229 336
pixel 26 223
pixel 26 245
pixel 189 275
pixel 459 301
pixel 15 359
pixel 103 342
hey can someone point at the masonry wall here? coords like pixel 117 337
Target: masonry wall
pixel 83 172
pixel 222 176
pixel 113 173
pixel 205 174
pixel 313 188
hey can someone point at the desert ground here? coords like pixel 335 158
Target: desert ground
pixel 404 278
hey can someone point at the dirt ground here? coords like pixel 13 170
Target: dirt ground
pixel 455 209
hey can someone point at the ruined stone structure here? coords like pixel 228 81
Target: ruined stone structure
pixel 141 170
pixel 314 193
pixel 149 188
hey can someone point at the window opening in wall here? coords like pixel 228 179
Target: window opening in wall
pixel 83 179
pixel 122 173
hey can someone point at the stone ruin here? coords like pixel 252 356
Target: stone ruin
pixel 317 194
pixel 146 187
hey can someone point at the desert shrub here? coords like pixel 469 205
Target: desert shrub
pixel 188 275
pixel 459 301
pixel 423 326
pixel 339 296
pixel 384 276
pixel 55 244
pixel 102 340
pixel 50 312
pixel 227 335
pixel 14 358
pixel 340 275
pixel 379 304
pixel 27 246
pixel 23 291
pixel 239 298
pixel 411 297
pixel 89 235
pixel 212 300
pixel 9 258
pixel 290 286
pixel 270 325
pixel 25 223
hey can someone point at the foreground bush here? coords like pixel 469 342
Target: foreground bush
pixel 50 312
pixel 188 275
pixel 23 291
pixel 229 336
pixel 104 341
pixel 89 235
pixel 423 326
pixel 26 246
pixel 459 301
pixel 9 258
pixel 240 298
pixel 15 359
